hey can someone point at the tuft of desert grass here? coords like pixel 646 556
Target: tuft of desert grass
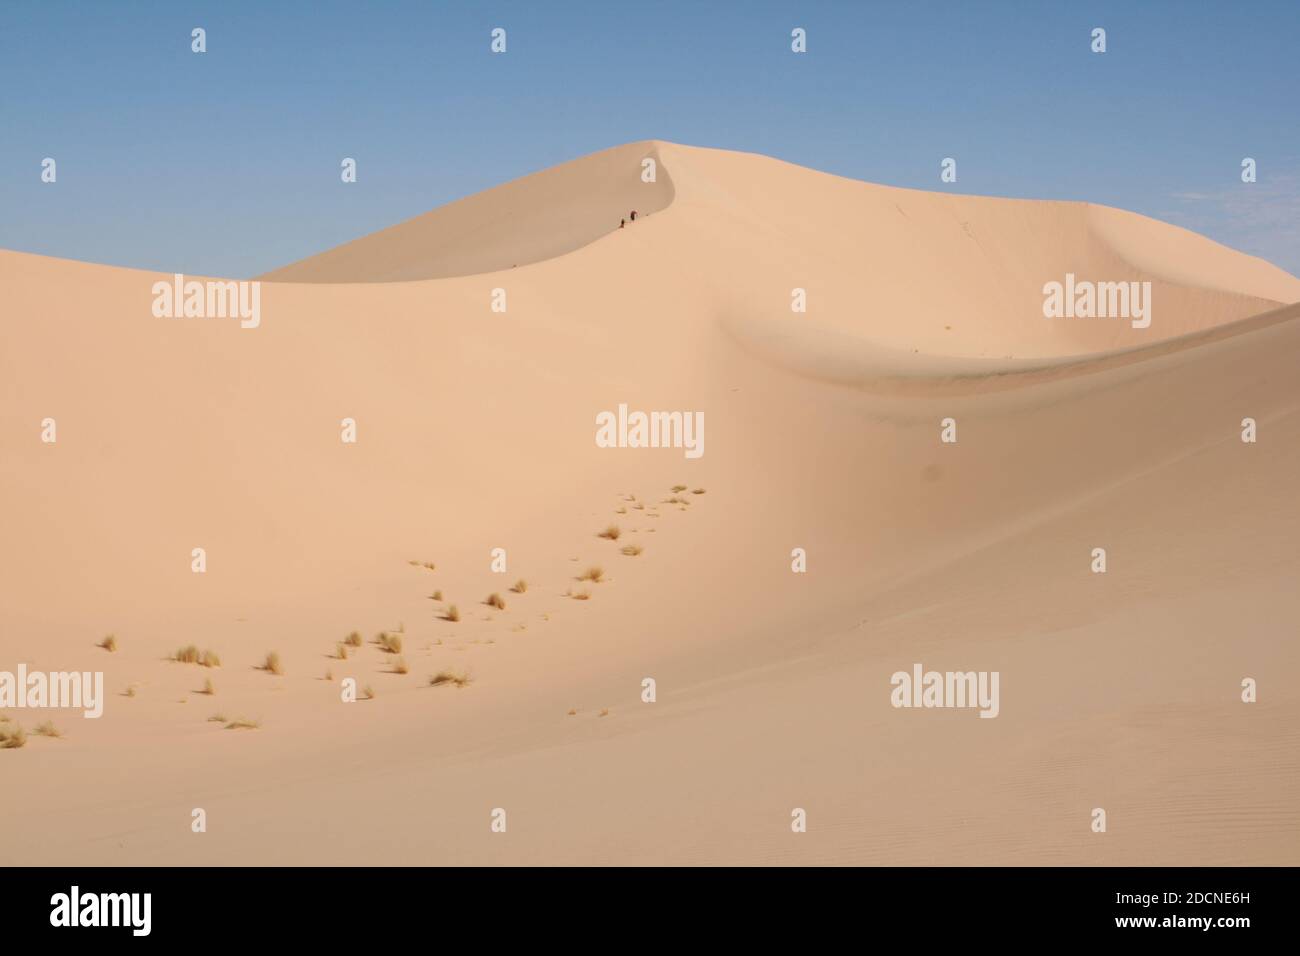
pixel 243 723
pixel 187 655
pixel 329 674
pixel 210 659
pixel 573 712
pixel 217 719
pixel 392 643
pixel 612 533
pixel 595 574
pixel 341 652
pixel 208 688
pixel 109 643
pixel 677 488
pixel 621 510
pixel 47 729
pixel 130 691
pixel 430 566
pixel 353 639
pixel 399 666
pixel 436 595
pixel 453 614
pixel 272 664
pixel 580 595
pixel 496 600
pixel 639 506
pixel 520 586
pixel 698 491
pixel 632 550
pixel 604 712
pixel 368 692
pixel 459 678
pixel 12 736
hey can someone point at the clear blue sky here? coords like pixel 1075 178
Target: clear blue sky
pixel 227 163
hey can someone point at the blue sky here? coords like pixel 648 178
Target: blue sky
pixel 227 163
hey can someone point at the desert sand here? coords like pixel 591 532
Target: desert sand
pixel 475 431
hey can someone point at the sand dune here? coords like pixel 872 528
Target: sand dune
pixel 475 431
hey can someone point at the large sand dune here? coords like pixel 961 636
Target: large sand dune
pixel 476 431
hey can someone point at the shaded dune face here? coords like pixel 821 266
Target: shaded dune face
pixel 528 220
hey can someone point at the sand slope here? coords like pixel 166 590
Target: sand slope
pixel 476 432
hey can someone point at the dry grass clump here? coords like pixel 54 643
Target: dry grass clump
pixel 453 614
pixel 189 654
pixel 621 510
pixel 430 566
pixel 12 735
pixel 392 643
pixel 520 586
pixel 676 500
pixel 109 643
pixel 368 692
pixel 459 678
pixel 208 688
pixel 604 712
pixel 130 691
pixel 595 574
pixel 697 491
pixel 632 550
pixel 496 600
pixel 353 639
pixel 272 664
pixel 217 719
pixel 580 595
pixel 341 652
pixel 47 729
pixel 399 666
pixel 573 712
pixel 436 595
pixel 612 533
pixel 678 488
pixel 329 674
pixel 243 723
pixel 639 506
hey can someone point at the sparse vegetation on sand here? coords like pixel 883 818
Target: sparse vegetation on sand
pixel 579 595
pixel 130 691
pixel 698 491
pixel 12 736
pixel 47 729
pixel 436 595
pixel 329 674
pixel 520 586
pixel 632 550
pixel 217 719
pixel 341 652
pixel 399 666
pixel 353 639
pixel 612 533
pixel 453 614
pixel 678 488
pixel 208 687
pixel 368 692
pixel 573 712
pixel 243 723
pixel 272 664
pixel 191 655
pixel 109 643
pixel 496 600
pixel 392 643
pixel 604 712
pixel 459 678
pixel 595 574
